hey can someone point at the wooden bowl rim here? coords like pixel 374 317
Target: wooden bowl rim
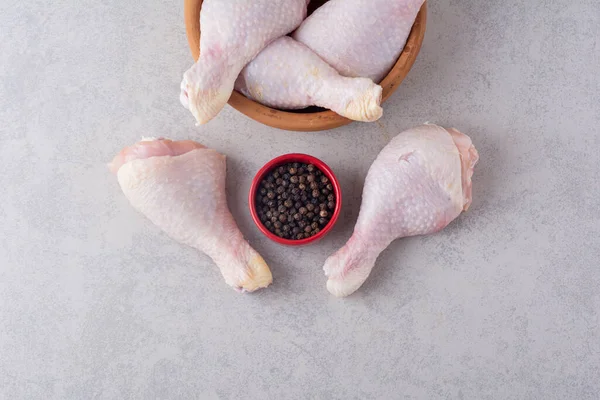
pixel 315 121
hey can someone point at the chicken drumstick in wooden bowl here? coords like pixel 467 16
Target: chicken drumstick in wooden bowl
pixel 338 65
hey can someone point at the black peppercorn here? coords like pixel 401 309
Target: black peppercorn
pixel 295 201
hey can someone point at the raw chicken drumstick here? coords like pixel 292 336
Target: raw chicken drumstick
pixel 180 187
pixel 360 37
pixel 289 75
pixel 418 184
pixel 233 33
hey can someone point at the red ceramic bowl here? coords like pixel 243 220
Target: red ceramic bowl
pixel 300 158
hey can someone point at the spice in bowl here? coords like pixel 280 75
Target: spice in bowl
pixel 295 201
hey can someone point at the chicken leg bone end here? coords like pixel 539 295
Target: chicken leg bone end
pixel 468 159
pixel 347 270
pixel 367 107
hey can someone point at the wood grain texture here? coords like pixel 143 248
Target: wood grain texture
pixel 308 121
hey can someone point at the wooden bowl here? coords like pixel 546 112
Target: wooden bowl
pixel 305 120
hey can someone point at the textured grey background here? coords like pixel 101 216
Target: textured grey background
pixel 98 303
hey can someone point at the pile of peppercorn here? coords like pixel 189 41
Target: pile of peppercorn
pixel 295 201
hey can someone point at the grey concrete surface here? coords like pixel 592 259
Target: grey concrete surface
pixel 97 303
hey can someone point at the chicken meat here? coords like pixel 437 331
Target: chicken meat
pixel 180 187
pixel 288 75
pixel 418 184
pixel 233 33
pixel 360 37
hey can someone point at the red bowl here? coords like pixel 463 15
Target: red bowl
pixel 300 158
